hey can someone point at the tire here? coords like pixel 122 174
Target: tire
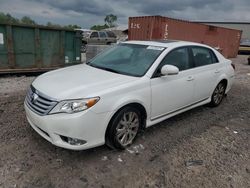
pixel 84 48
pixel 218 95
pixel 123 128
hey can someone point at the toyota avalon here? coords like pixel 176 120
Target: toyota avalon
pixel 123 90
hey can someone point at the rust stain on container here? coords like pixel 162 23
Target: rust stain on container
pixel 158 27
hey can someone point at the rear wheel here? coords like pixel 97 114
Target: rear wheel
pixel 218 94
pixel 123 128
pixel 84 48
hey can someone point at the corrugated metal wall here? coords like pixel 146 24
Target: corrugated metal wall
pixel 158 27
pixel 37 48
pixel 245 27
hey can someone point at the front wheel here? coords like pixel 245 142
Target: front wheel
pixel 218 94
pixel 123 128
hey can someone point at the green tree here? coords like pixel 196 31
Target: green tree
pixel 72 27
pixel 110 20
pixel 7 18
pixel 27 20
pixel 49 24
pixel 99 27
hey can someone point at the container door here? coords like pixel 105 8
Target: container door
pixel 72 47
pixel 51 42
pixel 3 48
pixel 24 47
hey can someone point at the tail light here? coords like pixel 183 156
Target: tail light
pixel 233 66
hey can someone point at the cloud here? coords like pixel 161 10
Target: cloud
pixel 89 12
pixel 89 7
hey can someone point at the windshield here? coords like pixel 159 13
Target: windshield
pixel 128 59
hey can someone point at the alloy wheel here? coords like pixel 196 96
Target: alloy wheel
pixel 219 93
pixel 127 128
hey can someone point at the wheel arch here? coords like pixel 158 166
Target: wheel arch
pixel 136 105
pixel 223 78
pixel 225 81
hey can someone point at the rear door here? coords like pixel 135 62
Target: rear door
pixel 172 92
pixel 207 71
pixel 103 37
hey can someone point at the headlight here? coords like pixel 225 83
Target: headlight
pixel 72 106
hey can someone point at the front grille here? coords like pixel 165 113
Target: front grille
pixel 38 102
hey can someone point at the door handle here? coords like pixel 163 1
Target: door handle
pixel 190 78
pixel 217 71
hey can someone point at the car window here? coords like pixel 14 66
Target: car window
pixel 214 57
pixel 120 54
pixel 203 56
pixel 128 59
pixel 102 34
pixel 94 35
pixel 111 34
pixel 178 57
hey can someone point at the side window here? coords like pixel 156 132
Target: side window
pixel 203 56
pixel 178 58
pixel 94 35
pixel 111 34
pixel 214 57
pixel 102 34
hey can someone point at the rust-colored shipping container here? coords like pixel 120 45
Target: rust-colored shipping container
pixel 159 27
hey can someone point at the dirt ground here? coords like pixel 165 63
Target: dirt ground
pixel 204 147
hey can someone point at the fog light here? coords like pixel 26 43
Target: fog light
pixel 73 141
pixel 77 142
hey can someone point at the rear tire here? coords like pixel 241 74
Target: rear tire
pixel 123 128
pixel 218 95
pixel 84 48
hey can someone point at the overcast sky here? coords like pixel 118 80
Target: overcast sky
pixel 89 12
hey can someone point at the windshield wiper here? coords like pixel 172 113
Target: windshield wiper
pixel 104 68
pixel 110 70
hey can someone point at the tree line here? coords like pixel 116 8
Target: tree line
pixel 109 21
pixel 7 18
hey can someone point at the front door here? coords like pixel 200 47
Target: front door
pixel 94 38
pixel 172 92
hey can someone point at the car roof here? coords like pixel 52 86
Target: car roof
pixel 165 43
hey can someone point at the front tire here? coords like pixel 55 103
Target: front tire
pixel 123 128
pixel 218 94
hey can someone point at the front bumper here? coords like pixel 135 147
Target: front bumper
pixel 86 125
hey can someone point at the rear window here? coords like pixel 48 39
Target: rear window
pixel 203 56
pixel 111 34
pixel 102 34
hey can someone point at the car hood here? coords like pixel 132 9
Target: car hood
pixel 79 81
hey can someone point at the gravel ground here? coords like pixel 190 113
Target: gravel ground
pixel 204 147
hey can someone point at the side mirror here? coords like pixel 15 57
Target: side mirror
pixel 169 70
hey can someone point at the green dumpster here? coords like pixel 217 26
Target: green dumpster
pixel 37 48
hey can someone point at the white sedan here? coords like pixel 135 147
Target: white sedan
pixel 127 88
